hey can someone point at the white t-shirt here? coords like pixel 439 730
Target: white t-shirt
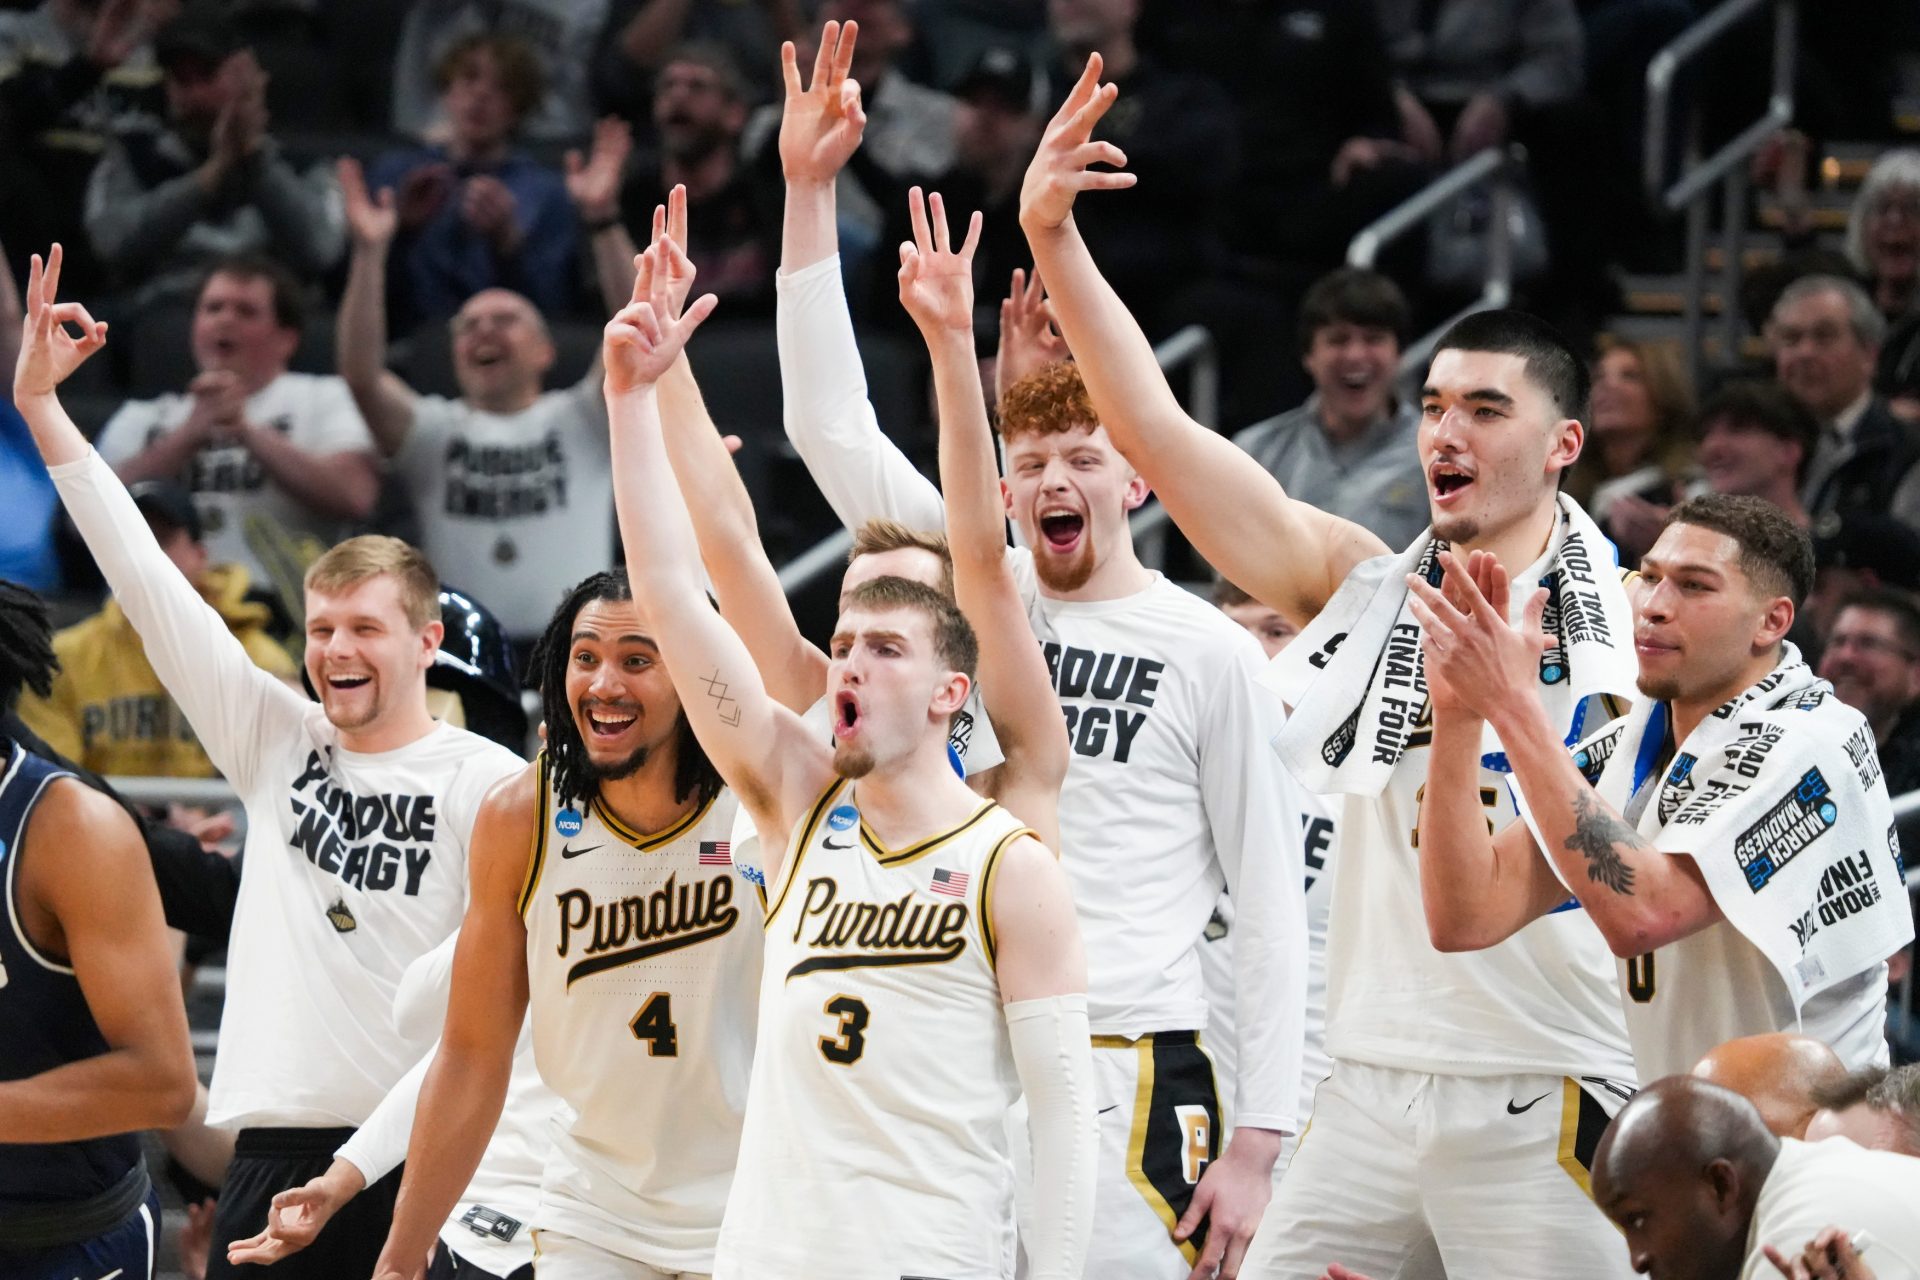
pixel 230 488
pixel 514 508
pixel 1171 789
pixel 1875 1195
pixel 356 864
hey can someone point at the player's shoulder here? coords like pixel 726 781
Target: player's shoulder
pixel 68 805
pixel 513 799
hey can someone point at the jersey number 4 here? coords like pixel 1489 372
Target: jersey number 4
pixel 654 1024
pixel 845 1048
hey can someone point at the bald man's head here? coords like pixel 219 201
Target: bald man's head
pixel 1781 1074
pixel 1678 1171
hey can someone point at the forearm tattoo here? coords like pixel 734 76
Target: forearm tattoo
pixel 1597 837
pixel 724 703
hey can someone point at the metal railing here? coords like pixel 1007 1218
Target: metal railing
pixel 1191 348
pixel 1724 171
pixel 1492 170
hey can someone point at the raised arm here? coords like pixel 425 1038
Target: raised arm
pixel 759 747
pixel 466 1086
pixel 936 288
pixel 360 332
pixel 228 699
pixel 1042 969
pixel 862 473
pixel 1286 553
pixel 83 877
pixel 1640 897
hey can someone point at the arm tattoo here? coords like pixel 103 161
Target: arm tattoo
pixel 722 701
pixel 1597 835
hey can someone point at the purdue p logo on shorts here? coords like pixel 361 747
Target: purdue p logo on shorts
pixel 1176 1127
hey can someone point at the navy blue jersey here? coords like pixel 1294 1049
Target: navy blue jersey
pixel 44 1019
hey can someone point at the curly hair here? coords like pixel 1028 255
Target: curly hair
pixel 1047 402
pixel 566 754
pixel 26 644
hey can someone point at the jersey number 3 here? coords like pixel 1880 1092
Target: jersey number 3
pixel 845 1048
pixel 654 1024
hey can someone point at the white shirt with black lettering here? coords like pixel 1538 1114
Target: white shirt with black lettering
pixel 231 490
pixel 514 508
pixel 356 864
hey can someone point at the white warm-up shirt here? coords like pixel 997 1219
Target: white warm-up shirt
pixel 356 864
pixel 1171 789
pixel 1873 1195
pixel 514 508
pixel 230 488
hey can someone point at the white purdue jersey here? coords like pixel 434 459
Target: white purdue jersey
pixel 875 1145
pixel 643 964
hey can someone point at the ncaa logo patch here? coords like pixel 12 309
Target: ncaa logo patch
pixel 568 822
pixel 843 817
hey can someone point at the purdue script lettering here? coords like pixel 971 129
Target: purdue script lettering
pixel 1106 678
pixel 625 930
pixel 907 930
pixel 368 841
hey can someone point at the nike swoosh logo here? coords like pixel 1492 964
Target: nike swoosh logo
pixel 568 851
pixel 1514 1111
pixel 829 844
pixel 1102 1111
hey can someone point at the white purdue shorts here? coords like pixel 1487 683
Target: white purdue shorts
pixel 561 1257
pixel 1402 1175
pixel 1160 1126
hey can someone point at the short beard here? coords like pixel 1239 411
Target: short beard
pixel 1456 530
pixel 1068 575
pixel 374 708
pixel 619 769
pixel 1663 690
pixel 852 762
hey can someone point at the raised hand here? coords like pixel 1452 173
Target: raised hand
pixel 670 268
pixel 370 218
pixel 822 123
pixel 594 183
pixel 1029 339
pixel 1476 660
pixel 640 344
pixel 48 353
pixel 1061 168
pixel 936 282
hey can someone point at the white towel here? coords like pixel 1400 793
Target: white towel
pixel 1778 798
pixel 1358 686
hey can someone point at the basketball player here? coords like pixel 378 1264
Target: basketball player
pixel 1455 1077
pixel 922 963
pixel 95 1038
pixel 604 902
pixel 1731 837
pixel 1171 793
pixel 358 814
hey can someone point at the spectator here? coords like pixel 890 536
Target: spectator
pixel 268 454
pixel 1263 622
pixel 72 72
pixel 1350 448
pixel 640 34
pixel 1878 1108
pixel 562 33
pixel 1883 231
pixel 1873 659
pixel 1826 335
pixel 108 711
pixel 475 212
pixel 1701 1188
pixel 699 110
pixel 512 485
pixel 169 198
pixel 27 552
pixel 1637 446
pixel 1181 142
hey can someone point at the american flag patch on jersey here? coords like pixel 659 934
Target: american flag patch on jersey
pixel 716 853
pixel 952 883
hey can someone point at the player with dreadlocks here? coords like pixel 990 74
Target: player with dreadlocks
pixel 95 1046
pixel 604 900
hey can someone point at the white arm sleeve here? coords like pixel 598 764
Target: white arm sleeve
pixel 861 472
pixel 1257 838
pixel 1053 1052
pixel 235 708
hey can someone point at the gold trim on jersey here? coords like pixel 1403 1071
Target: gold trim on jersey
pixel 645 842
pixel 1116 1042
pixel 898 858
pixel 790 869
pixel 1137 1151
pixel 991 865
pixel 538 861
pixel 1582 1120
